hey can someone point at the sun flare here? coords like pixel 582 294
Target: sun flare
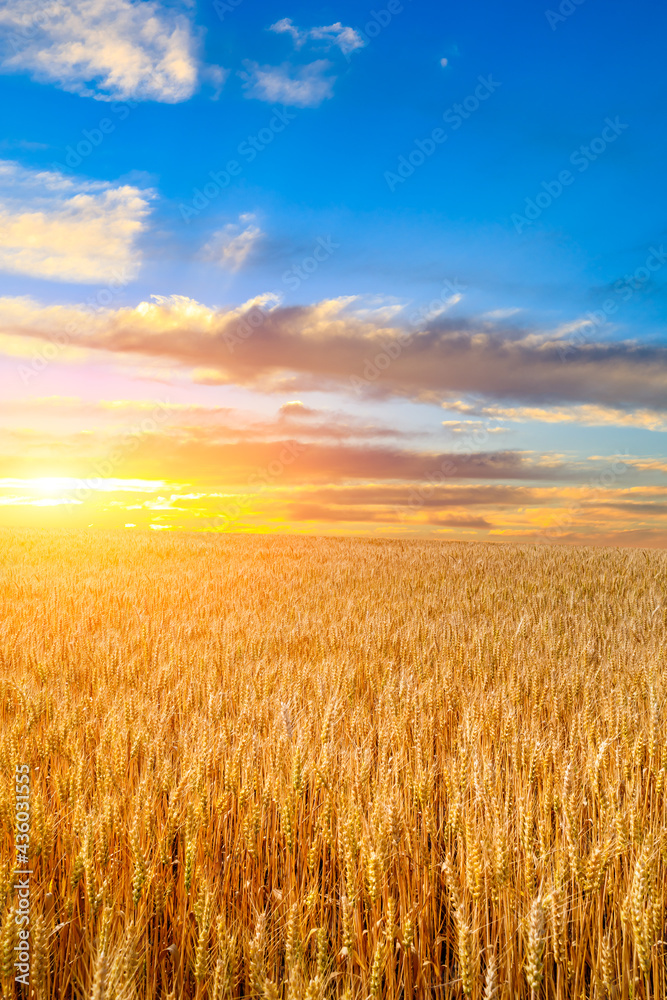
pixel 50 484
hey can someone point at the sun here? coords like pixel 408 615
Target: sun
pixel 49 484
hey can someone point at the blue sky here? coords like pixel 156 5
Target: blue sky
pixel 540 205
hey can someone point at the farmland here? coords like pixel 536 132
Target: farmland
pixel 293 767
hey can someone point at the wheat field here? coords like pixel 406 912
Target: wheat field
pixel 288 767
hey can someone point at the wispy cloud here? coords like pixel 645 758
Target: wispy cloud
pixel 295 86
pixel 585 414
pixel 106 49
pixel 68 229
pixel 346 38
pixel 24 144
pixel 300 86
pixel 191 478
pixel 231 246
pixel 197 462
pixel 463 428
pixel 216 76
pixel 217 423
pixel 196 452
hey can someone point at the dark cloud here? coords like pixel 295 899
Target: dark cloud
pixel 328 345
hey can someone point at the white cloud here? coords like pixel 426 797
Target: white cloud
pixel 216 76
pixel 585 414
pixel 347 39
pixel 500 314
pixel 297 86
pixel 285 27
pixel 106 49
pixel 229 247
pixel 69 229
pixel 300 86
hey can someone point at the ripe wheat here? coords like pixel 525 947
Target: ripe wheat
pixel 334 768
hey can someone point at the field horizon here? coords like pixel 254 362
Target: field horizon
pixel 223 533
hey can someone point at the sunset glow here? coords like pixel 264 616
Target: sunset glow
pixel 333 500
pixel 333 309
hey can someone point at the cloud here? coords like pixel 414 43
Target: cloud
pixel 230 247
pixel 304 511
pixel 66 229
pixel 295 86
pixel 459 522
pixel 216 76
pixel 337 344
pixel 106 49
pixel 215 423
pixel 296 408
pixel 646 464
pixel 437 496
pixel 317 512
pixel 196 453
pixel 347 39
pixel 462 428
pixel 24 144
pixel 300 86
pixel 192 479
pixel 188 446
pixel 585 414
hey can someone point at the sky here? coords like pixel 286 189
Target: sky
pixel 396 270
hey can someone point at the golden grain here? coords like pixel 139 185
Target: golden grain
pixel 334 768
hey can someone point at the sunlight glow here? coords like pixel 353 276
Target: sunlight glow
pixel 55 484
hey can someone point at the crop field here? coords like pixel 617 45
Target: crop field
pixel 288 767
